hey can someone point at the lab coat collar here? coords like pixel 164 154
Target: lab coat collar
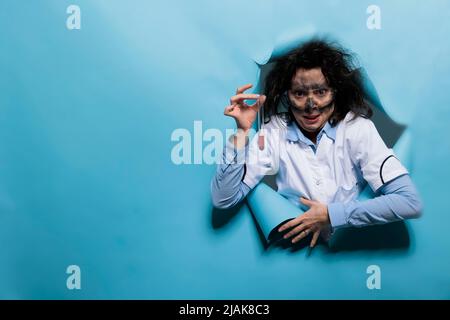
pixel 294 134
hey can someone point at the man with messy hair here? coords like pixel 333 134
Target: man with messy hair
pixel 325 151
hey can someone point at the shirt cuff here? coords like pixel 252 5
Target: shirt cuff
pixel 232 154
pixel 336 212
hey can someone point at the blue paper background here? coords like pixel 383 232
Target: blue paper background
pixel 86 176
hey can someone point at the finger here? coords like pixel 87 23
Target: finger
pixel 296 230
pixel 301 236
pixel 314 239
pixel 229 109
pixel 290 224
pixel 243 88
pixel 243 96
pixel 307 201
pixel 257 105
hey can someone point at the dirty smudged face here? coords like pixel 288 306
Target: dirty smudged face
pixel 311 99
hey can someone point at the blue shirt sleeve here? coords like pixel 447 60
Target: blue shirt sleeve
pixel 398 200
pixel 227 187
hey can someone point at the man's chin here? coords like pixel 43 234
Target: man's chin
pixel 311 128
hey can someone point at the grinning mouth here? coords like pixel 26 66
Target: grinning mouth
pixel 312 117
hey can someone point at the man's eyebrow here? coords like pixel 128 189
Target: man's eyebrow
pixel 313 86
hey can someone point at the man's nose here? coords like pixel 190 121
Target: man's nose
pixel 310 103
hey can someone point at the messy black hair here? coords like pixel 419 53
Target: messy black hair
pixel 339 69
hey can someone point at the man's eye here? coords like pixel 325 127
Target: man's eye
pixel 299 94
pixel 321 92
